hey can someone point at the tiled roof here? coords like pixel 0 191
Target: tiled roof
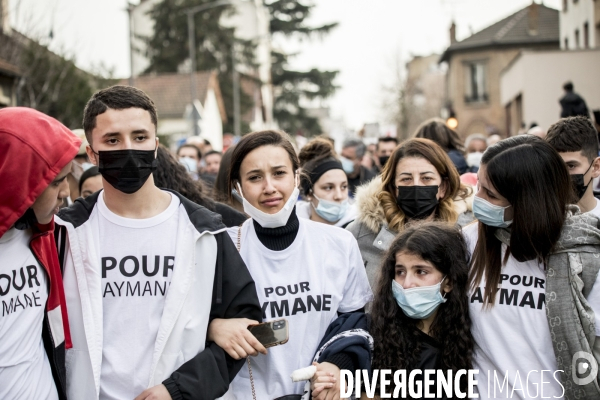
pixel 8 69
pixel 171 92
pixel 513 31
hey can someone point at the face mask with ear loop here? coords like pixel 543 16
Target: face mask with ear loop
pixel 330 210
pixel 276 220
pixel 418 302
pixel 578 183
pixel 126 170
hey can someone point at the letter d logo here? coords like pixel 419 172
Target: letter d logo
pixel 584 368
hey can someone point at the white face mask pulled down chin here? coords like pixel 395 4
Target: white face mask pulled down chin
pixel 276 220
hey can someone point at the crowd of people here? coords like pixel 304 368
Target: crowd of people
pixel 130 271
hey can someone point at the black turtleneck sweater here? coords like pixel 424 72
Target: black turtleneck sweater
pixel 281 238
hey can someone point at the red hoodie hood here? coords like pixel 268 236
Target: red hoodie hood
pixel 34 148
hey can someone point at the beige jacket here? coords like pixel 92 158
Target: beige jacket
pixel 370 227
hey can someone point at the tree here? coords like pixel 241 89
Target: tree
pixel 168 52
pixel 167 48
pixel 293 87
pixel 49 82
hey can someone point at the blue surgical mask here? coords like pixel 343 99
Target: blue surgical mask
pixel 330 210
pixel 419 302
pixel 189 163
pixel 490 214
pixel 347 165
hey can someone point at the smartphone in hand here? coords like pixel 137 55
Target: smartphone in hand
pixel 271 333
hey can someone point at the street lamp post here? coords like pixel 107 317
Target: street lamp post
pixel 192 44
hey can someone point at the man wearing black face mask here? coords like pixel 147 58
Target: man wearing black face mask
pixel 383 151
pixel 576 141
pixel 145 270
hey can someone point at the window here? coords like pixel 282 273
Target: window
pixel 576 38
pixel 475 82
pixel 566 43
pixel 565 5
pixel 586 36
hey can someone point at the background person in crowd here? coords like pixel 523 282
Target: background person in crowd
pixel 420 314
pixel 524 279
pixel 572 104
pixel 308 271
pixel 353 151
pixel 171 175
pixel 90 182
pixel 493 139
pixel 475 144
pixel 419 182
pixel 202 144
pixel 145 271
pixel 323 186
pixel 80 164
pixel 191 157
pixel 212 159
pixel 576 141
pixel 384 148
pixel 35 158
pixel 537 131
pixel 436 129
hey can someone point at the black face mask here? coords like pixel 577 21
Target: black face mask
pixel 417 201
pixel 127 170
pixel 383 160
pixel 578 184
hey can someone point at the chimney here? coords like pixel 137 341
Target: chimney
pixel 4 20
pixel 533 18
pixel 452 33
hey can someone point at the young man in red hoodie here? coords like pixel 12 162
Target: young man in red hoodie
pixel 35 158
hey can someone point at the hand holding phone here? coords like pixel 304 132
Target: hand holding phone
pixel 271 333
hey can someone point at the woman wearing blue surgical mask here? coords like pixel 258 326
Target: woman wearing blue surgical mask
pixel 419 182
pixel 534 263
pixel 304 271
pixel 324 186
pixel 420 314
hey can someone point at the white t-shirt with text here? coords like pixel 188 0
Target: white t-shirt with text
pixel 137 262
pixel 320 274
pixel 24 367
pixel 513 349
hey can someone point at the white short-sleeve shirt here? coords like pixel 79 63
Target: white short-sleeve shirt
pixel 320 274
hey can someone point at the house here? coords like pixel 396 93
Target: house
pixel 9 78
pixel 171 94
pixel 531 85
pixel 475 65
pixel 424 90
pixel 580 24
pixel 250 21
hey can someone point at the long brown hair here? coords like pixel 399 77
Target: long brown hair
pixel 533 178
pixel 436 129
pixel 396 336
pixel 430 151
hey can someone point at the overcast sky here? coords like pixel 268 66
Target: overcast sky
pixel 372 35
